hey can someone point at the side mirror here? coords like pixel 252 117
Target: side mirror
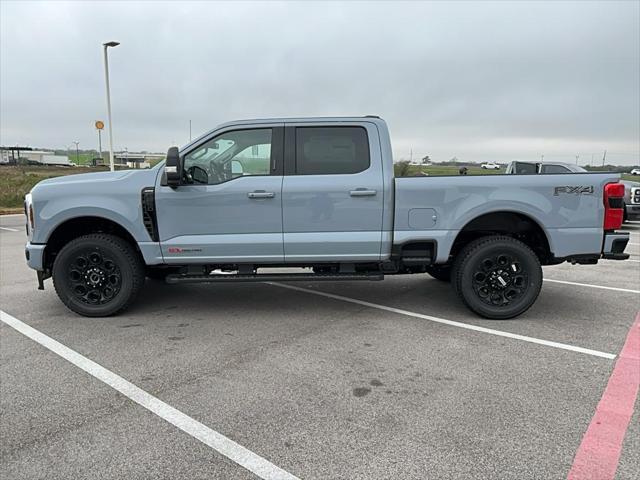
pixel 173 167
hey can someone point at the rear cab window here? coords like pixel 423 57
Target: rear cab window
pixel 554 169
pixel 331 150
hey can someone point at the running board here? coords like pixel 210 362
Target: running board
pixel 272 277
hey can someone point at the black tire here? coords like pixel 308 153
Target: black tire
pixel 497 277
pixel 440 272
pixel 98 275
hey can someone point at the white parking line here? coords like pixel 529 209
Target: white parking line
pixel 12 215
pixel 10 229
pixel 451 323
pixel 627 290
pixel 223 445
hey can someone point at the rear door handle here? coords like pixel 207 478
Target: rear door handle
pixel 261 194
pixel 362 192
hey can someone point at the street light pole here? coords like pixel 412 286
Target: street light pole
pixel 77 153
pixel 106 78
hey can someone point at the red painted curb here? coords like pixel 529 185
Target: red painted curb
pixel 599 453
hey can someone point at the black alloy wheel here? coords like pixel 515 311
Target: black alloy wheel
pixel 98 275
pixel 497 277
pixel 94 277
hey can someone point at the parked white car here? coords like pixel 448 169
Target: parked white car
pixel 635 171
pixel 490 166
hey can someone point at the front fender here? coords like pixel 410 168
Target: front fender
pixel 54 213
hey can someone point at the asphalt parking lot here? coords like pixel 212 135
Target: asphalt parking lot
pixel 386 379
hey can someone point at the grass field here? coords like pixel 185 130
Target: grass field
pixel 16 181
pixel 435 170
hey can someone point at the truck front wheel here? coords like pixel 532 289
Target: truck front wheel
pixel 97 275
pixel 497 277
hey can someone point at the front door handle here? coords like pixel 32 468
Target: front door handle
pixel 362 192
pixel 261 194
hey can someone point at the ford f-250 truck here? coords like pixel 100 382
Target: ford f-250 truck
pixel 319 193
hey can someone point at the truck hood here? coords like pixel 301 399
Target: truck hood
pixel 97 177
pixel 114 196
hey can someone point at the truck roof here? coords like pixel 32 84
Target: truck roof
pixel 252 121
pixel 302 120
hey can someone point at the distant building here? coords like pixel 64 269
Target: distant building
pixel 136 160
pixel 14 155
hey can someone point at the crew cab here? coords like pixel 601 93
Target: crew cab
pixel 316 197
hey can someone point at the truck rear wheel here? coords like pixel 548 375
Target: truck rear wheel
pixel 97 275
pixel 497 277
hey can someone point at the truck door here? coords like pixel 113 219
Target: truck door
pixel 229 207
pixel 332 196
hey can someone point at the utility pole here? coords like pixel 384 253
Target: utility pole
pixel 577 157
pixel 604 157
pixel 189 130
pixel 542 158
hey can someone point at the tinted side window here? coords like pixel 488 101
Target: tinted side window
pixel 526 169
pixel 554 169
pixel 331 150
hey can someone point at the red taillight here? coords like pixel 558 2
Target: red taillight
pixel 613 205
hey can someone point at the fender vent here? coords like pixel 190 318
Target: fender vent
pixel 148 201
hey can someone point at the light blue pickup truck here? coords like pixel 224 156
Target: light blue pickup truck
pixel 252 197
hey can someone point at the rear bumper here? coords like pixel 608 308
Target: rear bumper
pixel 632 212
pixel 614 245
pixel 35 255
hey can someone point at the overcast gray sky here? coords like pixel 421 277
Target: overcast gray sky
pixel 476 80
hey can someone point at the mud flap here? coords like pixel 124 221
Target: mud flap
pixel 41 278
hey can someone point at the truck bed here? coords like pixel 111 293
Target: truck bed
pixel 568 207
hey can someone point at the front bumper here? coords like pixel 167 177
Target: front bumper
pixel 632 212
pixel 614 245
pixel 35 256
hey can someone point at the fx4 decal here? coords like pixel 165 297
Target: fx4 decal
pixel 574 190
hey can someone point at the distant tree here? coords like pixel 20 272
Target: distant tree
pixel 401 169
pixel 426 160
